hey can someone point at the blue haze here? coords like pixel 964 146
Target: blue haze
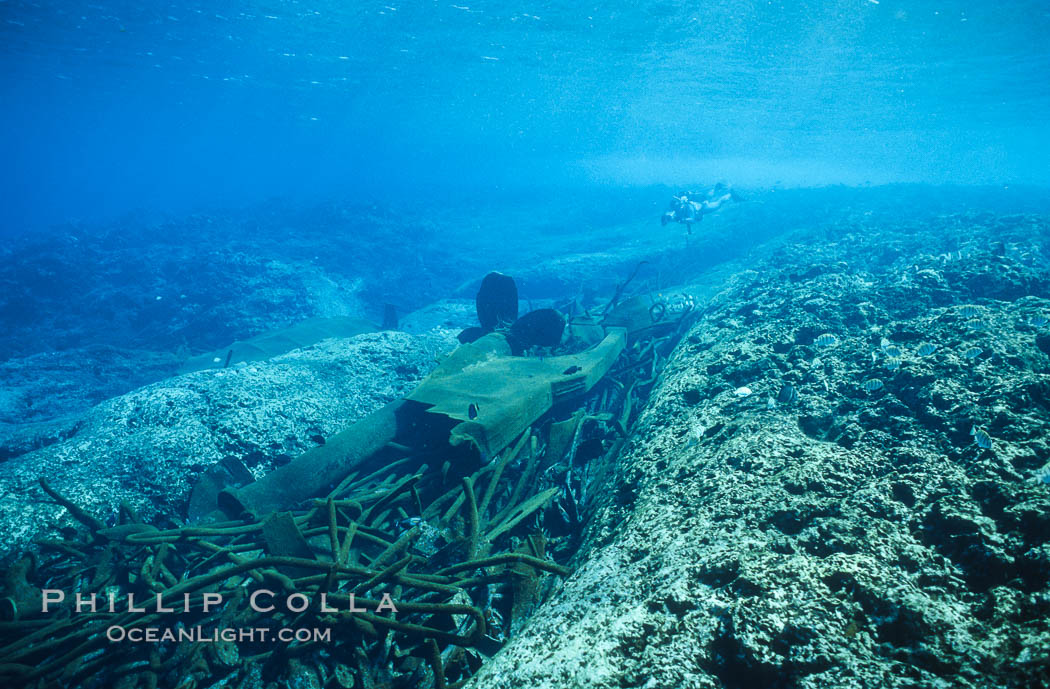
pixel 114 106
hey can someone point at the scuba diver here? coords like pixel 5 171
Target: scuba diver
pixel 689 207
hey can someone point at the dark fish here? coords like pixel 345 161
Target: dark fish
pixel 788 395
pixel 472 411
pixel 569 371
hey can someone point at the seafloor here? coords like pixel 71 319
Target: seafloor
pixel 835 482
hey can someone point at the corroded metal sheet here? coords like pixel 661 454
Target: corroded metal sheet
pixel 495 397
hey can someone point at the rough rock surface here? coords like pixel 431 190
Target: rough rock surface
pixel 89 313
pixel 50 384
pixel 148 446
pixel 448 314
pixel 846 535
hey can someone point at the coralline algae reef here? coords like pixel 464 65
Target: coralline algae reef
pixel 147 447
pixel 822 531
pixel 831 475
pixel 406 549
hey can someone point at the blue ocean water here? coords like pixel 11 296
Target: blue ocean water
pixel 413 301
pixel 115 106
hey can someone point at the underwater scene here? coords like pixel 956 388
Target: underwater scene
pixel 500 345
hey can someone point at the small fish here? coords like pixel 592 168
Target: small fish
pixel 817 363
pixel 788 395
pixel 472 411
pixel 893 352
pixel 872 385
pixel 409 522
pixel 973 352
pixel 981 437
pixel 884 344
pixel 893 363
pixel 569 371
pixel 771 403
pixel 874 357
pixel 743 392
pixel 826 340
pixel 1038 320
pixel 926 349
pixel 969 311
pixel 977 324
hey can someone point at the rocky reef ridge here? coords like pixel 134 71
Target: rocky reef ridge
pixel 146 448
pixel 831 486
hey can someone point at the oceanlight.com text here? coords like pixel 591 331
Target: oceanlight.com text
pixel 117 634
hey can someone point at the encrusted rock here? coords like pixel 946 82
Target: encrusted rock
pixel 149 446
pixel 847 540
